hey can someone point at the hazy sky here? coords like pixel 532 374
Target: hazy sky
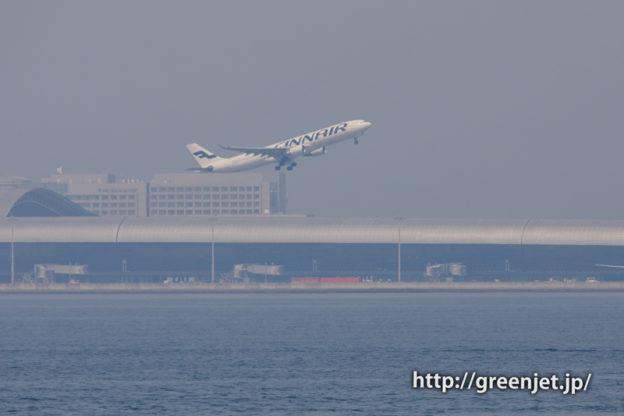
pixel 479 109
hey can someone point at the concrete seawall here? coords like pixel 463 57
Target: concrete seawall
pixel 288 287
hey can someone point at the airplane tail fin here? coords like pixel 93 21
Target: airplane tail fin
pixel 202 156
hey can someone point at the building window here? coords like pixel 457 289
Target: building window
pixel 233 204
pixel 170 212
pixel 180 204
pixel 225 196
pixel 256 189
pixel 153 205
pixel 162 212
pixel 189 196
pixel 104 212
pixel 233 188
pixel 189 204
pixel 113 197
pixel 131 204
pixel 179 189
pixel 224 189
pixel 131 197
pixel 170 204
pixel 206 196
pixel 122 205
pixel 256 204
pixel 170 196
pixel 206 204
pixel 161 204
pixel 113 204
pixel 171 189
pixel 113 212
pixel 189 189
pixel 224 204
pixel 256 211
pixel 198 212
pixel 122 212
pixel 189 212
pixel 180 212
pixel 131 212
pixel 215 204
pixel 122 196
pixel 197 204
pixel 154 197
pixel 206 212
pixel 249 189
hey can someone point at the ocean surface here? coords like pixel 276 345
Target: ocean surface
pixel 304 353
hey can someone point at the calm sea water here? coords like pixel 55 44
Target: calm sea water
pixel 311 353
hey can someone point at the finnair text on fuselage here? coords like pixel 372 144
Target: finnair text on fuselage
pixel 282 153
pixel 311 137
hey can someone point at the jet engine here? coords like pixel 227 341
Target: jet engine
pixel 319 151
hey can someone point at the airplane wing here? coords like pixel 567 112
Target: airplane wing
pixel 612 266
pixel 277 153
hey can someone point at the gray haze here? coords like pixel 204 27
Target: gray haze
pixel 479 109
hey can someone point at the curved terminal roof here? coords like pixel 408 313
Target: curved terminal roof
pixel 38 202
pixel 301 229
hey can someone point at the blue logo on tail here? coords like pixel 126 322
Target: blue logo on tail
pixel 203 155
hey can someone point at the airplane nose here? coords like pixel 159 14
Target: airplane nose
pixel 366 124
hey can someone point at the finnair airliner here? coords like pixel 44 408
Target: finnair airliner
pixel 282 153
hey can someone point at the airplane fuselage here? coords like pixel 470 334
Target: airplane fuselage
pixel 309 144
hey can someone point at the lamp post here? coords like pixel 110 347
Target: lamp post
pixel 400 222
pixel 212 257
pixel 399 254
pixel 12 255
pixel 124 269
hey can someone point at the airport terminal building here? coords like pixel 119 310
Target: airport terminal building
pixel 167 194
pixel 36 227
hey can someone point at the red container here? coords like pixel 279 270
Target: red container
pixel 340 280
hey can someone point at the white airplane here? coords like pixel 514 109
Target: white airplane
pixel 283 153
